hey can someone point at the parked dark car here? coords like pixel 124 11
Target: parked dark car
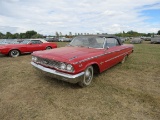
pixel 155 40
pixel 52 39
pixel 123 39
pixel 146 38
pixel 136 40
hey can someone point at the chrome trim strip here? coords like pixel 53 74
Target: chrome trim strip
pixel 100 55
pixel 118 56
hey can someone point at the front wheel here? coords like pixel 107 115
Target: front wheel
pixel 88 76
pixel 14 53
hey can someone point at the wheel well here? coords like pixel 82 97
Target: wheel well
pixel 14 49
pixel 96 68
pixel 49 46
pixel 127 55
pixel 132 51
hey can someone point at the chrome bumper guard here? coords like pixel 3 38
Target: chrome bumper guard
pixel 60 75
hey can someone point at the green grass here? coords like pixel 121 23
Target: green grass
pixel 127 91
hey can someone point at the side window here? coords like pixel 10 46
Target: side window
pixel 36 42
pixel 110 42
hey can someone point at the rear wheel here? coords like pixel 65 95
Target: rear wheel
pixel 124 59
pixel 47 48
pixel 88 76
pixel 14 53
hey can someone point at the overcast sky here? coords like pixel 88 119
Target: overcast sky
pixel 79 16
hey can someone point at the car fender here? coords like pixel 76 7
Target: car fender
pixel 92 64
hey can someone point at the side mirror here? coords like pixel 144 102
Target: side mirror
pixel 30 43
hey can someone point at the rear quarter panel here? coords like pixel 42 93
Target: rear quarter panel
pixel 53 45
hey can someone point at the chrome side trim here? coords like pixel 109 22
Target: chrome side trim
pixel 100 55
pixel 118 56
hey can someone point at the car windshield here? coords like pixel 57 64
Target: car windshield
pixel 25 42
pixel 88 41
pixel 8 41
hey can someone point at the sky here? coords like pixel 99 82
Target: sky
pixel 79 16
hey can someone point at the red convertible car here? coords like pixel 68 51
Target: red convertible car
pixel 84 56
pixel 26 46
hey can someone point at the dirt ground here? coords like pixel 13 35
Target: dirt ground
pixel 127 91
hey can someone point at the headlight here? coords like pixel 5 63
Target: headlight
pixel 66 67
pixel 63 66
pixel 69 68
pixel 34 59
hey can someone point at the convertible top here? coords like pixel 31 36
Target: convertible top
pixel 106 36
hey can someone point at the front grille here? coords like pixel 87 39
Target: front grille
pixel 48 63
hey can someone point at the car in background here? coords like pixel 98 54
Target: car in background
pixel 146 38
pixel 26 46
pixel 8 41
pixel 65 39
pixel 136 40
pixel 155 40
pixel 52 39
pixel 82 58
pixel 123 39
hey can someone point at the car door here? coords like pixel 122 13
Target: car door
pixel 112 52
pixel 35 45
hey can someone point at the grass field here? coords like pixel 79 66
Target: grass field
pixel 129 91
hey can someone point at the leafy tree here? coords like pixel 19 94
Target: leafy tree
pixel 2 35
pixel 66 36
pixel 60 34
pixel 29 34
pixel 16 35
pixel 9 35
pixel 70 33
pixel 57 35
pixel 158 33
pixel 22 35
pixel 37 36
pixel 149 34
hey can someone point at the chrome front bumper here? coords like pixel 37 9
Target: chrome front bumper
pixel 59 75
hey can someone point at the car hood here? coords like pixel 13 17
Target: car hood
pixel 68 54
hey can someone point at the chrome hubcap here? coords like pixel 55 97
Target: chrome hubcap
pixel 88 75
pixel 48 48
pixel 14 53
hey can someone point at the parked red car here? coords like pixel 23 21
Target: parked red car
pixel 26 46
pixel 84 56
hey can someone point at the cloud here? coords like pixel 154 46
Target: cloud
pixel 85 16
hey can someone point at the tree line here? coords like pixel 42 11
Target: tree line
pixel 28 34
pixel 136 34
pixel 34 34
